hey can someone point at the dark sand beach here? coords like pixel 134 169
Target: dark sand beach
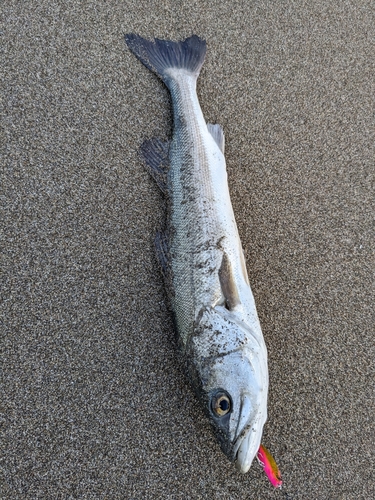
pixel 95 402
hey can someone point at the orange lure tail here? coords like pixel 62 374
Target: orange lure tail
pixel 270 467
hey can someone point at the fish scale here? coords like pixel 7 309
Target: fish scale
pixel 192 220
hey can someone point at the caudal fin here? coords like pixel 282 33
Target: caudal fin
pixel 161 55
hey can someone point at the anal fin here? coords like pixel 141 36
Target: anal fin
pixel 218 134
pixel 156 155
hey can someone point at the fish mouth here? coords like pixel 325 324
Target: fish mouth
pixel 246 451
pixel 249 432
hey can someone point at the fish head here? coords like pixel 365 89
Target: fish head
pixel 237 405
pixel 231 377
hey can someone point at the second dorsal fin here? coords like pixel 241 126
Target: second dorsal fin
pixel 218 134
pixel 155 153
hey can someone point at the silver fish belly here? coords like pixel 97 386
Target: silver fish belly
pixel 202 258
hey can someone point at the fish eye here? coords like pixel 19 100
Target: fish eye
pixel 221 404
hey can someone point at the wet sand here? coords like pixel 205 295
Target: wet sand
pixel 95 402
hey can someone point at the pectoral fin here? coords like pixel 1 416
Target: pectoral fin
pixel 228 284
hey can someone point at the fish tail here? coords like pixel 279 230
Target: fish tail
pixel 161 55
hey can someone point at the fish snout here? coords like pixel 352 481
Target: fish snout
pixel 248 435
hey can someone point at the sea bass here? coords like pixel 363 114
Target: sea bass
pixel 202 258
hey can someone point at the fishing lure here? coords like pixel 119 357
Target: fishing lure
pixel 270 467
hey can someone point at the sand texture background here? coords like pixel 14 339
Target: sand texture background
pixel 95 404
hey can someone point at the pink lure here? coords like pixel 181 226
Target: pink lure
pixel 270 467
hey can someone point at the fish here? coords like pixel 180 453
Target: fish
pixel 202 259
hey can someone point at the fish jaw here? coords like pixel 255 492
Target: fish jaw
pixel 247 445
pixel 245 454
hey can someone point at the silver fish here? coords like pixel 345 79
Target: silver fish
pixel 202 258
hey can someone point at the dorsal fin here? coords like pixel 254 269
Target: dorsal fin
pixel 218 134
pixel 155 153
pixel 228 285
pixel 163 255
